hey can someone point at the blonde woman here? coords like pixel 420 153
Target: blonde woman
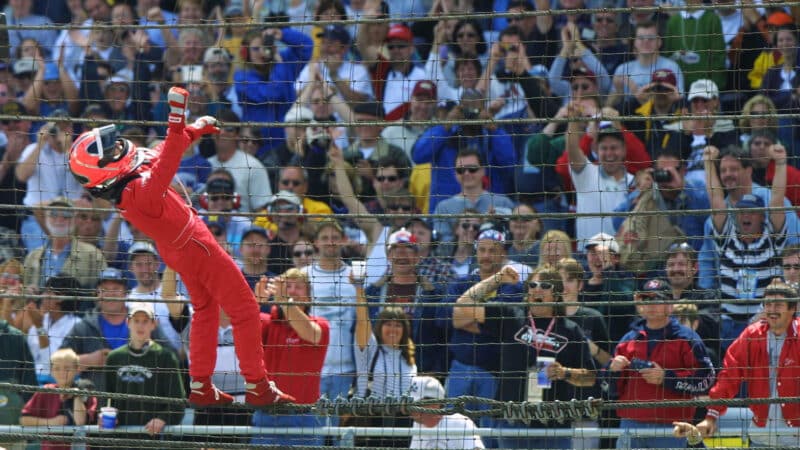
pixel 554 246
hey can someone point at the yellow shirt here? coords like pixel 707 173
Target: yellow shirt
pixel 315 208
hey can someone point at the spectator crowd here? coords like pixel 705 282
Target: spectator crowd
pixel 409 201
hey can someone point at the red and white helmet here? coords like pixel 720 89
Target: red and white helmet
pixel 95 162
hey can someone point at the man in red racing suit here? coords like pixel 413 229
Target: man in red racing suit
pixel 138 180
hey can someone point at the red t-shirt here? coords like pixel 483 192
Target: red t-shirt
pixel 46 405
pixel 293 363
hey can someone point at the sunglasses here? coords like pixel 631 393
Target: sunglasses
pixel 467 226
pixel 791 267
pixel 523 218
pixel 400 207
pixel 470 169
pixel 301 253
pixel 294 183
pixel 219 198
pixel 62 214
pixel 581 86
pixel 389 178
pixel 540 284
pixel 679 246
pixel 10 276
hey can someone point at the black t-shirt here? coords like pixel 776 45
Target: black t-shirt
pixel 565 342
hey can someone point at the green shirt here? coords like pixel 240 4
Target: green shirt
pixel 704 37
pixel 153 371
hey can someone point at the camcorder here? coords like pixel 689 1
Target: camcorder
pixel 662 176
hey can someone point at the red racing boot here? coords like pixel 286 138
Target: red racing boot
pixel 265 393
pixel 204 393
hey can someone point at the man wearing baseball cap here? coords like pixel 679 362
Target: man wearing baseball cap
pixel 398 74
pixel 455 431
pixel 421 107
pixel 144 367
pixel 694 135
pixel 660 97
pixel 348 78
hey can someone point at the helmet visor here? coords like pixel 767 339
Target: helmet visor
pixel 107 138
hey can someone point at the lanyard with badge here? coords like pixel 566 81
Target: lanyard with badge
pixel 537 375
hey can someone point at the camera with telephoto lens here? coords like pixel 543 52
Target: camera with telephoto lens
pixel 662 175
pixel 639 364
pixel 470 113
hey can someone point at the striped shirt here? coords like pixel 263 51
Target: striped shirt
pixel 746 269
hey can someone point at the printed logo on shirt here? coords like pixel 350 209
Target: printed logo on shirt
pixel 134 374
pixel 537 339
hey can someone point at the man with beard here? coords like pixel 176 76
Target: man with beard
pixel 62 252
pixel 681 271
pixel 748 243
pixel 42 167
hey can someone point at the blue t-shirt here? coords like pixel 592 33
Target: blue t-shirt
pixel 116 335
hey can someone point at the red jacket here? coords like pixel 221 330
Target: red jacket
pixel 747 359
pixel 293 363
pixel 689 372
pixel 151 205
pixel 636 157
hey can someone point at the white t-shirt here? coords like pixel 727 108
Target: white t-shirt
pixel 392 375
pixel 453 432
pixel 597 193
pixel 56 332
pixel 335 287
pixel 51 178
pixel 358 75
pixel 399 86
pixel 250 177
pixel 162 315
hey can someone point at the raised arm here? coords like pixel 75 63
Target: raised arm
pixel 575 129
pixel 777 217
pixel 307 329
pixel 716 194
pixel 371 226
pixel 468 318
pixel 363 325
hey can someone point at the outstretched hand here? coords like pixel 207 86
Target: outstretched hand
pixel 204 125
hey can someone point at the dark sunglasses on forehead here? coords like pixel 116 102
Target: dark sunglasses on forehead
pixel 300 253
pixel 470 169
pixel 540 284
pixel 683 246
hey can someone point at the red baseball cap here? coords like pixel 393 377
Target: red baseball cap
pixel 401 32
pixel 779 18
pixel 665 76
pixel 424 87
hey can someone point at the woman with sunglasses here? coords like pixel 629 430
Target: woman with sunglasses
pixel 542 355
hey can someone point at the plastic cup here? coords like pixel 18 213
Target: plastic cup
pixel 108 417
pixel 359 269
